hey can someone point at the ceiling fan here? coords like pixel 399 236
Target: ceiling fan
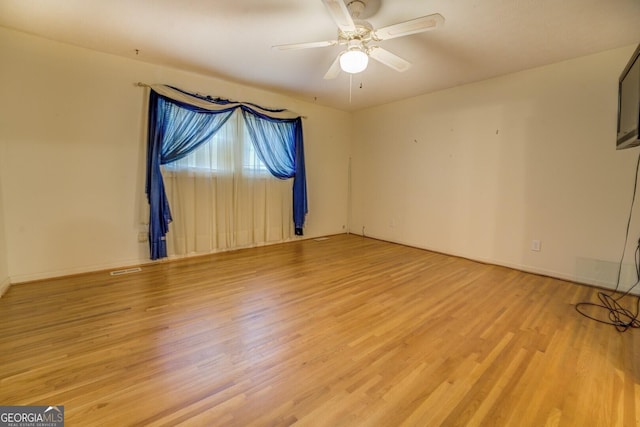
pixel 360 38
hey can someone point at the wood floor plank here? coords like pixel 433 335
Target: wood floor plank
pixel 347 331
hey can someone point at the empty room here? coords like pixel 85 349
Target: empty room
pixel 319 213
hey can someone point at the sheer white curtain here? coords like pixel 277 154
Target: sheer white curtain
pixel 223 196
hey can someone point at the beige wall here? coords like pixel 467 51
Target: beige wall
pixel 478 171
pixel 72 126
pixel 4 269
pixel 482 170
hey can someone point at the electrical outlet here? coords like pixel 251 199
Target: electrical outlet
pixel 142 237
pixel 536 245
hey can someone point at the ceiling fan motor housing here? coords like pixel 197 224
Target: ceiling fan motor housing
pixel 363 32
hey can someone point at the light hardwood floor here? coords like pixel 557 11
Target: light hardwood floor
pixel 348 331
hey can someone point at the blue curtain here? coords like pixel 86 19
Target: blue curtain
pixel 278 143
pixel 180 122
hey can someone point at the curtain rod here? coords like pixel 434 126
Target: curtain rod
pixel 141 84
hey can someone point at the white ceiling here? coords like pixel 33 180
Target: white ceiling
pixel 232 39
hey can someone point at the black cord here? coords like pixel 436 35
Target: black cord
pixel 619 316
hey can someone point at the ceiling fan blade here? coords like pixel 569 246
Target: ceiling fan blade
pixel 340 14
pixel 412 26
pixel 308 45
pixel 389 59
pixel 334 70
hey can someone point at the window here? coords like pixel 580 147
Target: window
pixel 229 150
pixel 181 123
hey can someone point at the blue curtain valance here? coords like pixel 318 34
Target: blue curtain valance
pixel 179 122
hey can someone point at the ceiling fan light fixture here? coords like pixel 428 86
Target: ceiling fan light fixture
pixel 354 61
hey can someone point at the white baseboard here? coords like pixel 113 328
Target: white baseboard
pixel 589 281
pixel 23 278
pixel 4 286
